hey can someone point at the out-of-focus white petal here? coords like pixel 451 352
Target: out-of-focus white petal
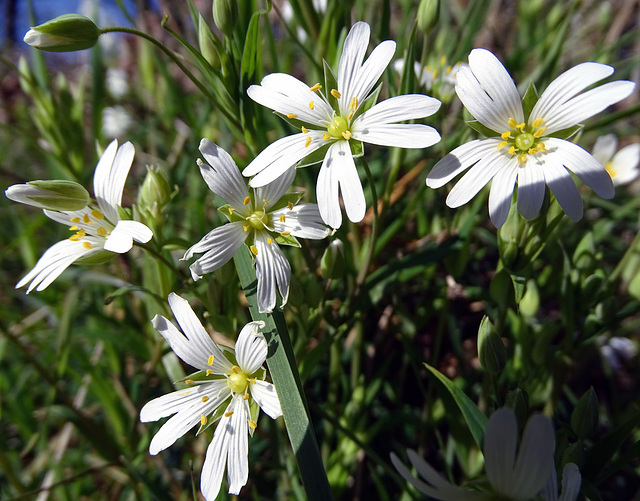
pixel 605 148
pixel 624 165
pixel 222 175
pixel 502 192
pixel 220 245
pixel 121 238
pixel 251 347
pixel 303 220
pixel 266 397
pixel 500 441
pixel 571 480
pixel 327 193
pixel 460 159
pixel 531 188
pixel 562 186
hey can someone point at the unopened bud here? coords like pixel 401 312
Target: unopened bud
pixel 530 302
pixel 155 190
pixel 64 33
pixel 428 15
pixel 491 351
pixel 207 43
pixel 53 195
pixel 225 15
pixel 332 263
pixel 584 419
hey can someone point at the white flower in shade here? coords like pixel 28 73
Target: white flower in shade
pixel 98 230
pixel 226 388
pixel 621 166
pixel 116 121
pixel 336 123
pixel 527 150
pixel 571 480
pixel 262 218
pixel 515 474
pixel 442 79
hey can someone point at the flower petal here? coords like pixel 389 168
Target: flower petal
pixel 571 480
pixel 535 457
pixel 251 347
pixel 238 451
pixel 400 135
pixel 581 163
pixel 350 186
pixel 265 395
pixel 216 457
pixel 459 159
pixel 562 186
pixel 397 109
pixel 500 441
pixel 531 188
pixel 185 419
pixel 624 164
pixel 268 195
pixel 121 238
pixel 222 174
pixel 327 193
pixel 605 148
pixel 220 245
pixel 169 404
pixel 303 220
pixel 272 269
pixel 110 176
pixel 502 192
pixel 353 51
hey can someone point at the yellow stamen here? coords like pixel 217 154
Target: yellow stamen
pixel 335 94
pixel 512 123
pixel 292 115
pixel 253 424
pixel 521 126
pixel 354 103
pixel 231 210
pixel 245 228
pixel 282 218
pixel 350 115
pixel 75 219
pixel 264 201
pixel 269 241
pixel 505 135
pixel 236 370
pixel 310 105
pixel 537 123
pixel 522 159
pixel 87 245
pixel 209 372
pixel 252 381
pixel 205 399
pixel 449 68
pixel 290 205
pixel 254 249
pixel 512 150
pixel 246 396
pixel 101 231
pixel 532 151
pixel 189 381
pixel 86 219
pixel 325 136
pixel 228 414
pixel 210 360
pixel 246 200
pixel 304 130
pixel 443 60
pixel 203 419
pixel 541 147
pixel 502 144
pixel 307 142
pixel 539 132
pixel 73 228
pixel 315 87
pixel 97 214
pixel 285 233
pixel 346 134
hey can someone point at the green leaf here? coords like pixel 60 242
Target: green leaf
pixel 475 419
pixel 529 100
pixel 568 133
pixel 252 49
pixel 482 129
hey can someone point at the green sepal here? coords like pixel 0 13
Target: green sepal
pixel 254 412
pixel 368 103
pixel 123 214
pixel 316 156
pixel 529 100
pixel 196 376
pixel 567 133
pixel 357 148
pixel 482 129
pixel 212 418
pixel 330 82
pixel 298 124
pixel 287 240
pixel 288 198
pixel 100 257
pixel 230 213
pixel 65 33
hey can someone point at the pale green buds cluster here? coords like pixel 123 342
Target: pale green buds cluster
pixel 155 193
pixel 64 33
pixel 59 195
pixel 491 351
pixel 428 14
pixel 225 15
pixel 332 263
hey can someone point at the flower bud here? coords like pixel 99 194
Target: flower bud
pixel 332 263
pixel 207 43
pixel 584 419
pixel 64 33
pixel 530 302
pixel 491 351
pixel 225 15
pixel 154 195
pixel 428 15
pixel 52 195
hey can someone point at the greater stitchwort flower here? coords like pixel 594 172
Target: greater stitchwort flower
pixel 229 387
pixel 529 144
pixel 513 477
pixel 265 217
pixel 99 231
pixel 336 122
pixel 622 166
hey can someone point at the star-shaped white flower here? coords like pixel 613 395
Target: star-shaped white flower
pixel 263 218
pixel 98 231
pixel 225 388
pixel 524 149
pixel 336 123
pixel 622 166
pixel 514 477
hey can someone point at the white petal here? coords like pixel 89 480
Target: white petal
pixel 110 176
pixel 605 148
pixel 272 269
pixel 581 163
pixel 397 109
pixel 175 401
pixel 200 344
pixel 266 397
pixel 502 192
pixel 238 451
pixel 340 160
pixel 251 347
pixel 276 158
pixel 273 191
pixel 535 457
pixel 625 164
pixel 54 261
pixel 220 245
pixel 121 238
pixel 571 480
pixel 500 441
pixel 178 425
pixel 549 491
pixel 303 220
pixel 562 186
pixel 327 194
pixel 459 159
pixel 400 135
pixel 478 176
pixel 216 457
pixel 531 188
pixel 353 51
pixel 222 174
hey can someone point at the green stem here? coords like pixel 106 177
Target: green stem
pixel 284 373
pixel 364 266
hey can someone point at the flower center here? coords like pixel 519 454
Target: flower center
pixel 339 128
pixel 237 380
pixel 523 140
pixel 258 219
pixel 612 172
pixel 91 223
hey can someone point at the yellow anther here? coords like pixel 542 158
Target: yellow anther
pixel 210 360
pixel 346 134
pixel 443 60
pixel 449 68
pixel 502 144
pixel 512 150
pixel 315 87
pixel 246 396
pixel 205 399
pixel 307 142
pixel 326 136
pixel 512 123
pixel 282 218
pixel 74 238
pixel 609 168
pixel 521 126
pixel 435 74
pixel 539 132
pixel 101 231
pixel 236 370
pixel 310 105
pixel 245 228
pixel 97 214
pixel 253 424
pixel 86 219
pixel 537 122
pixel 87 245
pixel 254 249
pixel 532 151
pixel 350 115
pixel 265 201
pixel 246 200
pixel 285 233
pixel 292 115
pixel 505 135
pixel 73 228
pixel 335 94
pixel 522 159
pixel 269 241
pixel 203 419
pixel 304 130
pixel 228 414
pixel 231 210
pixel 252 380
pixel 209 372
pixel 290 205
pixel 354 104
pixel 541 147
pixel 75 219
pixel 189 381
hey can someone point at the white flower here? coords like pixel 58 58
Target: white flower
pixel 621 166
pixel 223 389
pixel 117 82
pixel 571 480
pixel 99 231
pixel 334 125
pixel 525 149
pixel 442 79
pixel 514 477
pixel 265 217
pixel 116 121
